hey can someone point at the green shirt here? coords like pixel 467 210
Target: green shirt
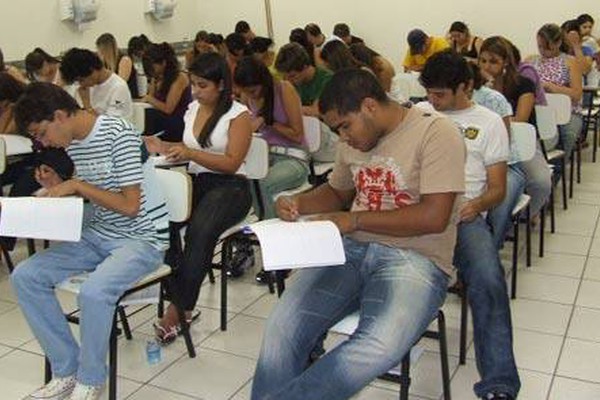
pixel 311 91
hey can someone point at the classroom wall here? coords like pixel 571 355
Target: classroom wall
pixel 382 23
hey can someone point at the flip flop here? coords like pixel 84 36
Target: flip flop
pixel 165 335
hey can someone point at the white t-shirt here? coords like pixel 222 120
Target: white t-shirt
pixel 486 140
pixel 111 97
pixel 218 137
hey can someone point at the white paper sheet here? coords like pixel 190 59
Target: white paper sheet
pixel 42 217
pixel 290 245
pixel 16 144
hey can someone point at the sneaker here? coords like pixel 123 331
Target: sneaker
pixel 497 396
pixel 56 389
pixel 86 392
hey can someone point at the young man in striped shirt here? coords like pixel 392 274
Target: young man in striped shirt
pixel 124 240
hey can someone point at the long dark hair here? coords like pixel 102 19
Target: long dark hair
pixel 503 48
pixel 364 54
pixel 213 67
pixel 10 88
pixel 250 72
pixel 35 60
pixel 298 35
pixel 337 56
pixel 157 53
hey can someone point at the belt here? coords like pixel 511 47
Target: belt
pixel 289 151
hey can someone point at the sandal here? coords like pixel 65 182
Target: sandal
pixel 165 335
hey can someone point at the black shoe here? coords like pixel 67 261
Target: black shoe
pixel 498 396
pixel 261 277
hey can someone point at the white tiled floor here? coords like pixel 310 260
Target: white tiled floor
pixel 556 319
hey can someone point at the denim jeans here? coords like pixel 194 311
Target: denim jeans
pixel 500 216
pixel 478 263
pixel 538 180
pixel 569 133
pixel 219 202
pixel 285 173
pixel 398 293
pixel 114 266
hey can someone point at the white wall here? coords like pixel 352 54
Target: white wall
pixel 382 23
pixel 26 24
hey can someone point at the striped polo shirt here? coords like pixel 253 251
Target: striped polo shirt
pixel 110 158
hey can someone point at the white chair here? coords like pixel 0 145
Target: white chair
pixel 176 187
pixel 138 117
pixel 523 146
pixel 312 133
pixel 408 86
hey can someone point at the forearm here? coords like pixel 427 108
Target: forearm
pixel 323 199
pixel 489 199
pixel 159 105
pixel 114 201
pixel 215 162
pixel 288 132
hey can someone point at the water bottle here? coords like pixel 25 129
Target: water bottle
pixel 153 355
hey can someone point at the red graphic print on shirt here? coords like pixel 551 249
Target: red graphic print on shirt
pixel 380 185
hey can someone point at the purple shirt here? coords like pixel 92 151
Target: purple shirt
pixel 528 71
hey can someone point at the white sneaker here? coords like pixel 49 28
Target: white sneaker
pixel 56 389
pixel 86 392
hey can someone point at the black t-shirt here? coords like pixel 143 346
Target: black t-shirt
pixel 524 86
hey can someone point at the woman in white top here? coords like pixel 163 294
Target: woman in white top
pixel 216 139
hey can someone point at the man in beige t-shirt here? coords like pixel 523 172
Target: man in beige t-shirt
pixel 393 193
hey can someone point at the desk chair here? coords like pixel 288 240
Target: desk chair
pixel 176 187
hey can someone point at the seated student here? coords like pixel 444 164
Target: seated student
pixel 421 47
pixel 216 139
pixel 243 28
pixel 124 241
pixel 298 35
pixel 200 46
pixel 97 89
pixel 277 116
pixel 136 47
pixel 216 39
pixel 497 60
pixel 10 90
pixel 294 64
pixel 399 234
pixel 42 67
pixel 463 42
pixel 261 48
pixel 448 81
pixel 119 63
pixel 381 67
pixel 314 35
pixel 236 47
pixel 527 70
pixel 168 92
pixel 14 71
pixel 342 31
pixel 560 73
pixel 572 45
pixel 586 26
pixel 336 56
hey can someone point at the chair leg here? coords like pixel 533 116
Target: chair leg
pixel 595 141
pixel 552 215
pixel 6 254
pixel 226 255
pixel 515 255
pixel 578 152
pixel 270 276
pixel 528 236
pixel 542 229
pixel 124 322
pixel 444 355
pixel 47 370
pixel 280 281
pixel 30 247
pixel 185 326
pixel 112 362
pixel 464 325
pixel 571 175
pixel 405 377
pixel 211 274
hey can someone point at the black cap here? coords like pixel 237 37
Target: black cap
pixel 416 40
pixel 58 160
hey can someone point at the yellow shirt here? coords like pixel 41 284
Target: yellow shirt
pixel 418 60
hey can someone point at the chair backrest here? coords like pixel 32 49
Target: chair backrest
pixel 138 117
pixel 312 133
pixel 2 156
pixel 409 85
pixel 177 190
pixel 523 141
pixel 561 105
pixel 257 159
pixel 546 122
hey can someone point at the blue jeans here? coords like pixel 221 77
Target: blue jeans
pixel 500 216
pixel 285 173
pixel 114 266
pixel 478 263
pixel 569 133
pixel 398 293
pixel 538 180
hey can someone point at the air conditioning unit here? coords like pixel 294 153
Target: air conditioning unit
pixel 161 9
pixel 81 12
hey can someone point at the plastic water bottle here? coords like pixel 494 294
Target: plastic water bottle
pixel 153 352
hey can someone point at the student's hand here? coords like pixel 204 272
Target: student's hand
pixel 286 208
pixel 67 188
pixel 154 144
pixel 549 87
pixel 469 210
pixel 572 38
pixel 178 153
pixel 47 177
pixel 344 221
pixel 147 99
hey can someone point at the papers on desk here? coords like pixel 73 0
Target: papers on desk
pixel 42 217
pixel 164 162
pixel 16 144
pixel 288 245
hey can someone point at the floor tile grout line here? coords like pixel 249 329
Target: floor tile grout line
pixel 564 340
